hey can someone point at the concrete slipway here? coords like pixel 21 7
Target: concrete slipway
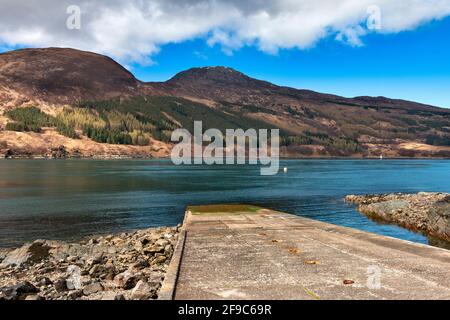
pixel 246 252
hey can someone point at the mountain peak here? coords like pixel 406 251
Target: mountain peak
pixel 215 74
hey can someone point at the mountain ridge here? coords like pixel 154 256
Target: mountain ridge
pixel 80 89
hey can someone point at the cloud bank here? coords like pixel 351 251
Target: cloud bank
pixel 133 31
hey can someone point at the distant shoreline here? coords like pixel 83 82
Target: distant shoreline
pixel 120 157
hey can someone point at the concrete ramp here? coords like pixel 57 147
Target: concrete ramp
pixel 247 252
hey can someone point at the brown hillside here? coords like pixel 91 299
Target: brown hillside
pixel 314 124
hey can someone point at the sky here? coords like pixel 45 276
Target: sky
pixel 398 49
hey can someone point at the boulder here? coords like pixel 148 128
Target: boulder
pixel 73 281
pixel 92 288
pixel 19 291
pixel 153 249
pixel 143 291
pixel 28 253
pixel 162 242
pixel 44 281
pixel 439 219
pixel 159 260
pixel 75 294
pixel 127 280
pixel 60 285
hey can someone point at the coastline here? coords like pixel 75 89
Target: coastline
pixel 149 157
pixel 124 266
pixel 426 212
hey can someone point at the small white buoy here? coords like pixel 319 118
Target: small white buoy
pixel 285 169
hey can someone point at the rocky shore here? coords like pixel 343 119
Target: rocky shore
pixel 427 212
pixel 127 266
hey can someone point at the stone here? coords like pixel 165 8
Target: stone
pixel 155 277
pixel 60 285
pixel 162 242
pixel 439 219
pixel 425 211
pixel 3 254
pixel 96 259
pixel 95 270
pixel 153 249
pixel 73 281
pixel 71 259
pixel 92 288
pixel 75 294
pixel 168 250
pixel 28 253
pixel 159 260
pixel 44 281
pixel 140 264
pixel 348 281
pixel 18 291
pixel 34 297
pixel 108 267
pixel 110 295
pixel 143 291
pixel 127 280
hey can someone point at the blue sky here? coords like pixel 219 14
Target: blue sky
pixel 323 45
pixel 412 65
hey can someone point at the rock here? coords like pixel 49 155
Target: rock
pixel 60 285
pixel 28 253
pixel 47 270
pixel 168 250
pixel 3 254
pixel 92 288
pixel 71 259
pixel 348 281
pixel 109 295
pixel 155 277
pixel 143 291
pixel 59 152
pixel 162 242
pixel 140 264
pixel 153 249
pixel 75 294
pixel 425 211
pixel 439 219
pixel 108 267
pixel 44 281
pixel 73 281
pixel 95 270
pixel 95 260
pixel 159 260
pixel 18 291
pixel 34 297
pixel 127 280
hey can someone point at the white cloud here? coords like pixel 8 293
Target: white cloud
pixel 134 30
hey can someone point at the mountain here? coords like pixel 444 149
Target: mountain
pixel 227 84
pixel 91 105
pixel 64 75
